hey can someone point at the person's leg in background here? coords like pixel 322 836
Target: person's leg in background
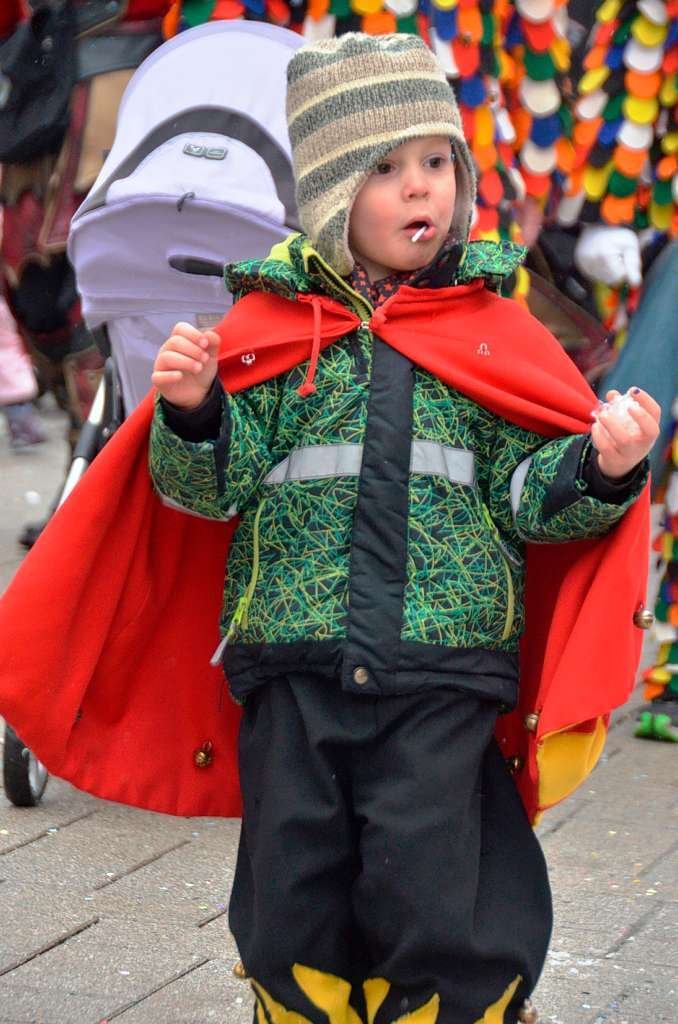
pixel 18 386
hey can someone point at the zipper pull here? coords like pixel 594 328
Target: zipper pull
pixel 239 620
pixel 216 657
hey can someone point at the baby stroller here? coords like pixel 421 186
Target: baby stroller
pixel 199 174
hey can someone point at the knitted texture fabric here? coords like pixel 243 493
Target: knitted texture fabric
pixel 350 101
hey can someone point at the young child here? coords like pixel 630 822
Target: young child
pixel 386 488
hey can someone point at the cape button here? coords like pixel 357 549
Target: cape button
pixel 643 618
pixel 514 764
pixel 361 676
pixel 202 757
pixel 531 722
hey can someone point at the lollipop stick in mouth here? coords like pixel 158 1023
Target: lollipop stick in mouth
pixel 417 235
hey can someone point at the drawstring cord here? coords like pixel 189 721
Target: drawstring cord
pixel 308 387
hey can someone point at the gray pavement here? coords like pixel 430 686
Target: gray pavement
pixel 109 913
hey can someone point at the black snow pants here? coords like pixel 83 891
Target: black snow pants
pixel 387 871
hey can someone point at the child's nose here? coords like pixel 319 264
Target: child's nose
pixel 415 183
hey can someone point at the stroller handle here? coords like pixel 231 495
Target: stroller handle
pixel 197 266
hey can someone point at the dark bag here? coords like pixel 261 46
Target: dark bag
pixel 37 74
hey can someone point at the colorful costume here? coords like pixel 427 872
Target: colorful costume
pixel 625 170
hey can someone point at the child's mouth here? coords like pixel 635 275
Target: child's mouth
pixel 420 230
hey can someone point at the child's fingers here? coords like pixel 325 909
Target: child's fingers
pixel 162 377
pixel 611 395
pixel 188 331
pixel 648 403
pixel 602 441
pixel 646 421
pixel 171 360
pixel 618 434
pixel 189 348
pixel 213 342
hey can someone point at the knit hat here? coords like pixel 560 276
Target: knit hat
pixel 350 101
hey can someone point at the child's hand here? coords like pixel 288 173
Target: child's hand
pixel 186 366
pixel 620 449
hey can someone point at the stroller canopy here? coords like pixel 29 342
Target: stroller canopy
pixel 199 174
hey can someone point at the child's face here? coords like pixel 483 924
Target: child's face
pixel 413 185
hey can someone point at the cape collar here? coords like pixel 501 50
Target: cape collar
pixel 293 268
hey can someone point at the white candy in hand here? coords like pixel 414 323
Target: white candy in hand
pixel 619 408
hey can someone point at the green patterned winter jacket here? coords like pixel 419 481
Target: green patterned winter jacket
pixel 382 519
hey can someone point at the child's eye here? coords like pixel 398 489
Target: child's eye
pixel 436 162
pixel 383 168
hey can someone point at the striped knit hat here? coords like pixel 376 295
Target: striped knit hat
pixel 350 101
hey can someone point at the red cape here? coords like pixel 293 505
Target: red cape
pixel 108 626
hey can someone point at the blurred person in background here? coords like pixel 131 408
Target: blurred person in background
pixel 18 386
pixel 64 65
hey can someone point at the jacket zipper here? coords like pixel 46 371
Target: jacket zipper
pixel 358 301
pixel 359 304
pixel 239 620
pixel 510 598
pixel 359 356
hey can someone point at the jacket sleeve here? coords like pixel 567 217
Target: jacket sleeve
pixel 553 491
pixel 215 477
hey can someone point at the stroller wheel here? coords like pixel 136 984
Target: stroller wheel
pixel 30 533
pixel 24 776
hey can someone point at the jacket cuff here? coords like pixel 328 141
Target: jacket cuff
pixel 200 424
pixel 579 477
pixel 601 487
pixel 567 487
